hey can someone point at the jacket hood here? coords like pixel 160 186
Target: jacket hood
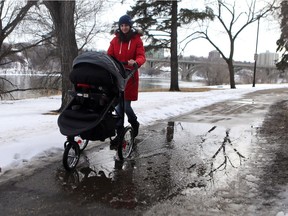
pixel 135 31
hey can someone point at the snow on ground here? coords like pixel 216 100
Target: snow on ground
pixel 28 131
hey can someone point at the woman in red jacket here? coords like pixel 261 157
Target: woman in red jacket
pixel 127 46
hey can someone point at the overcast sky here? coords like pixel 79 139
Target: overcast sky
pixel 245 45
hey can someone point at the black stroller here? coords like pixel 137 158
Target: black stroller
pixel 99 82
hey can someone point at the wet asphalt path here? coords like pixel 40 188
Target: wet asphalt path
pixel 204 151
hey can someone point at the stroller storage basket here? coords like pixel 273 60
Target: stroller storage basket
pixel 105 129
pixel 81 119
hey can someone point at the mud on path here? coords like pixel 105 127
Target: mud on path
pixel 274 133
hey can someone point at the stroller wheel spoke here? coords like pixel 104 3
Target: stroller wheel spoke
pixel 71 156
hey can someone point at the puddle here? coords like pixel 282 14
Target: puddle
pixel 167 160
pixel 245 101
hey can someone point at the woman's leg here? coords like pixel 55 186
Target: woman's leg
pixel 132 118
pixel 119 112
pixel 119 127
pixel 129 111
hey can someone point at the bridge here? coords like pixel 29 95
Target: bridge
pixel 188 67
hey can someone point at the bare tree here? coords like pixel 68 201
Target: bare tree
pixel 86 23
pixel 39 23
pixel 233 25
pixel 43 25
pixel 283 40
pixel 62 13
pixel 11 15
pixel 213 72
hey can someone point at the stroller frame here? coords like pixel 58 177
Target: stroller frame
pixel 78 139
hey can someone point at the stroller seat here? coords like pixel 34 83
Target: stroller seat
pixel 95 95
pixel 90 97
pixel 94 86
pixel 87 75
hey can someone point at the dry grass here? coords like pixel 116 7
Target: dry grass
pixel 51 113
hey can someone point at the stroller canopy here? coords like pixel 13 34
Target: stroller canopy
pixel 106 62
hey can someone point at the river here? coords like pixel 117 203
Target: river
pixel 164 83
pixel 37 81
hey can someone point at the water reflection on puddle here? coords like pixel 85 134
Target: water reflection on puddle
pixel 209 153
pixel 168 159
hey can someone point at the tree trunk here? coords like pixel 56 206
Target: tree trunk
pixel 62 13
pixel 231 73
pixel 174 52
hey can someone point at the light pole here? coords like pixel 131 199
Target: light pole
pixel 256 55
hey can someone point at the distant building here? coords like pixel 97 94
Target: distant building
pixel 267 59
pixel 214 55
pixel 159 53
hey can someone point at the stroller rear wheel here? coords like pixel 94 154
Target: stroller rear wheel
pixel 71 156
pixel 126 146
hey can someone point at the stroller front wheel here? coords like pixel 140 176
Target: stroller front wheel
pixel 82 143
pixel 65 144
pixel 71 156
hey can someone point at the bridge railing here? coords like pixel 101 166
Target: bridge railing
pixel 154 61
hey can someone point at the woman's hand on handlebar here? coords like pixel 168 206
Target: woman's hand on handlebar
pixel 132 62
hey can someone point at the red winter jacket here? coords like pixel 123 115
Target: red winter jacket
pixel 124 51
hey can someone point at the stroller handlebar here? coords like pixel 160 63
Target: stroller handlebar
pixel 129 73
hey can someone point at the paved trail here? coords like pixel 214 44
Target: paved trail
pixel 219 160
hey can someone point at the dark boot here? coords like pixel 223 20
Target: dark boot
pixel 135 125
pixel 116 141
